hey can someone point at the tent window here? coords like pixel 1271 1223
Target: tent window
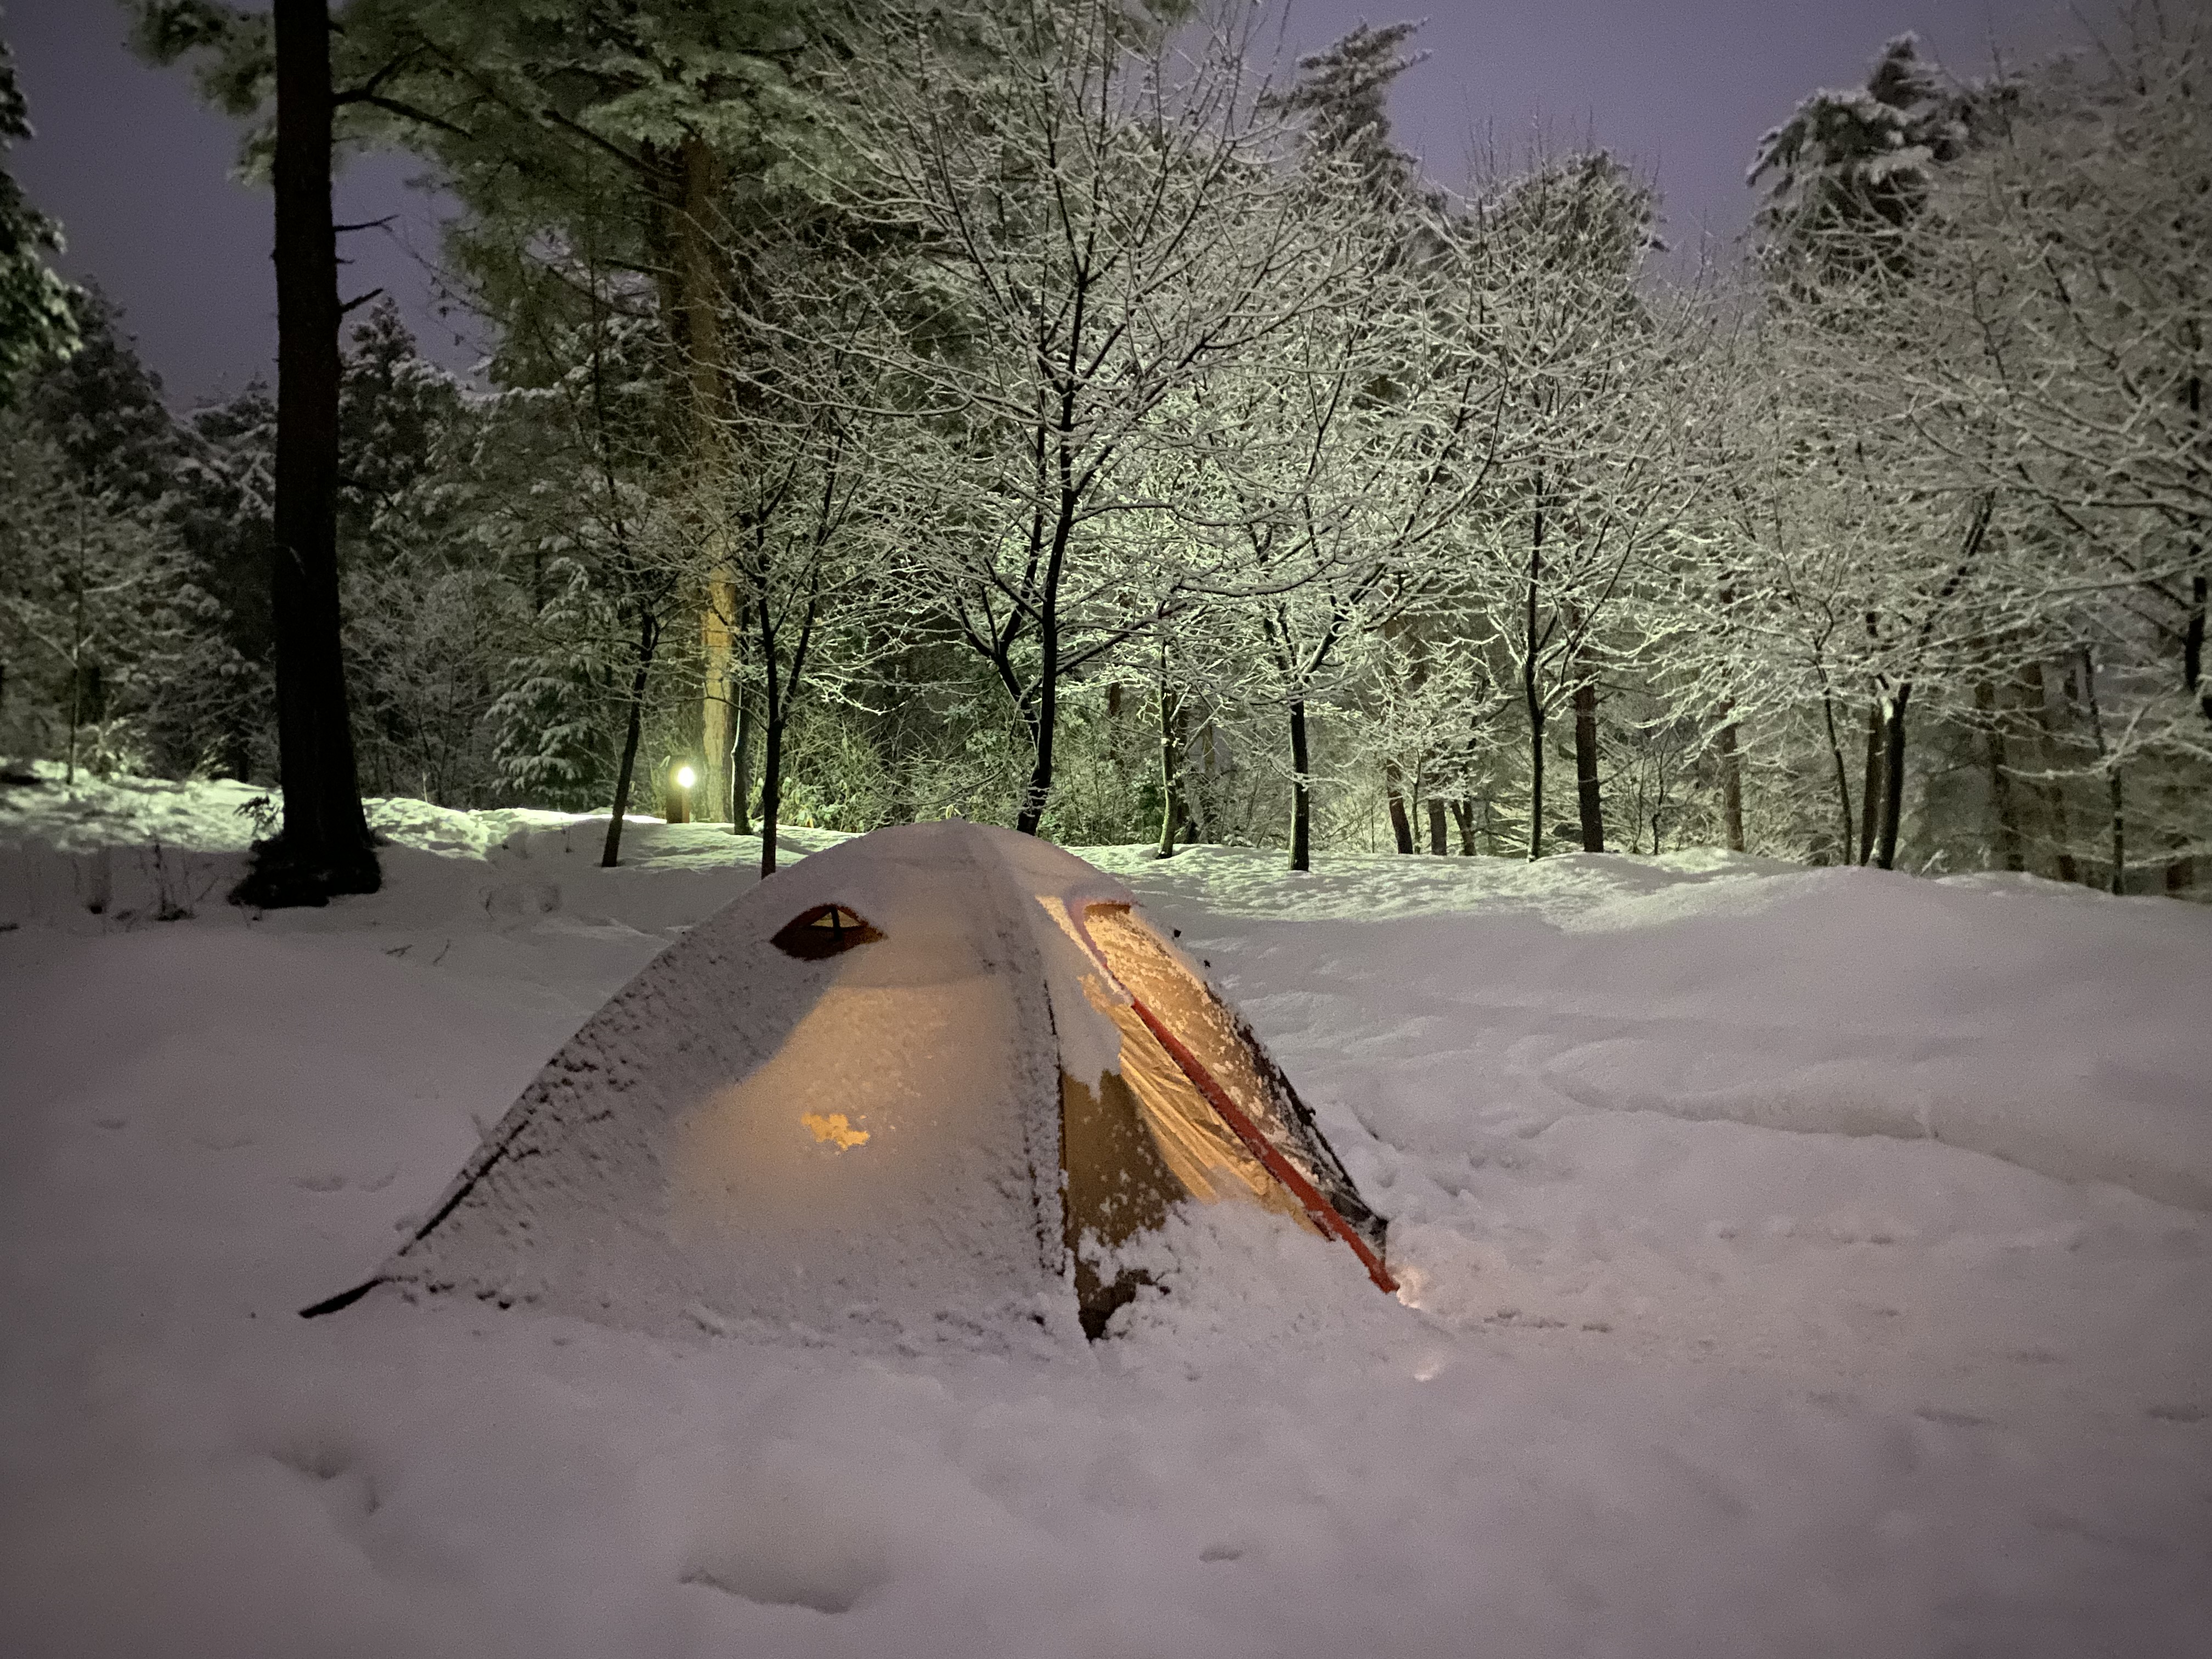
pixel 824 931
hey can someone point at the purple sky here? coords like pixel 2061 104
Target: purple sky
pixel 137 170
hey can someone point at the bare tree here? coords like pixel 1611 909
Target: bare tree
pixel 1099 225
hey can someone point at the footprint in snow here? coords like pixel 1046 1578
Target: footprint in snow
pixel 1953 1419
pixel 2178 1414
pixel 777 1586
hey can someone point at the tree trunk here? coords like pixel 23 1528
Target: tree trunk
pixel 1732 792
pixel 781 687
pixel 1393 792
pixel 2054 791
pixel 2009 846
pixel 1892 774
pixel 1530 693
pixel 324 848
pixel 741 767
pixel 76 657
pixel 2115 794
pixel 1195 829
pixel 2119 831
pixel 1536 778
pixel 772 716
pixel 771 781
pixel 719 622
pixel 649 637
pixel 1436 825
pixel 1843 774
pixel 1731 763
pixel 1301 789
pixel 1041 729
pixel 1870 787
pixel 1463 815
pixel 2192 647
pixel 700 290
pixel 2192 636
pixel 1172 744
pixel 1587 795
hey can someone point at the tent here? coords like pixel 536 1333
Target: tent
pixel 929 1079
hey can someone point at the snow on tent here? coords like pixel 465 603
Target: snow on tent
pixel 930 1080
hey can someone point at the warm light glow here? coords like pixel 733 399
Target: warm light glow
pixel 835 1128
pixel 685 777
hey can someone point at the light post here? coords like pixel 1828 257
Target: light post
pixel 676 797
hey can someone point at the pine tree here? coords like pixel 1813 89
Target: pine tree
pixel 37 313
pixel 1849 170
pixel 324 848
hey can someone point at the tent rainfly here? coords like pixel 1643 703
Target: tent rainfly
pixel 929 1079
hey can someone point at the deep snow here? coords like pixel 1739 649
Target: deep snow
pixel 1797 1263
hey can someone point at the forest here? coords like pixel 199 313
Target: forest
pixel 1042 412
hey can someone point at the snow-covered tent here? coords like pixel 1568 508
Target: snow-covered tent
pixel 932 1079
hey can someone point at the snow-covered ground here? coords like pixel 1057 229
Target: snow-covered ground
pixel 1797 1263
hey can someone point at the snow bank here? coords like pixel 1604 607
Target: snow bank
pixel 2055 1028
pixel 127 852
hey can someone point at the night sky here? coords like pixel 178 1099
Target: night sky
pixel 138 173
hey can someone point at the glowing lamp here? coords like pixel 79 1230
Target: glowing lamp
pixel 685 777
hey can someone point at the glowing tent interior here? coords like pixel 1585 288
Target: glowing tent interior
pixel 929 1079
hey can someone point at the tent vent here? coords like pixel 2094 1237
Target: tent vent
pixel 824 931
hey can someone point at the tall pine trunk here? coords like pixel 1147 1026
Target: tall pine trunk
pixel 324 847
pixel 1462 811
pixel 1301 789
pixel 699 271
pixel 1436 806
